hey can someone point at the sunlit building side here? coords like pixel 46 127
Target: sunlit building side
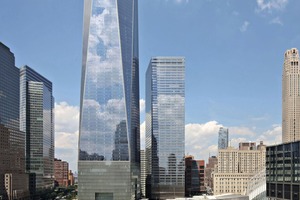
pixel 109 138
pixel 165 123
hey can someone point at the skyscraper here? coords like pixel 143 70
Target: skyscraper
pixel 12 140
pixel 165 122
pixel 223 138
pixel 291 96
pixel 109 137
pixel 37 121
pixel 143 173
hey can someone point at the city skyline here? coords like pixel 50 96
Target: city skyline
pixel 240 88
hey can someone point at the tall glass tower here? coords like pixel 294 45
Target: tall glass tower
pixel 37 121
pixel 109 136
pixel 12 140
pixel 165 123
pixel 223 138
pixel 291 96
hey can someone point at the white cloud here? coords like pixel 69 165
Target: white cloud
pixel 272 136
pixel 66 117
pixel 276 20
pixel 244 27
pixel 201 139
pixel 244 131
pixel 142 105
pixel 66 133
pixel 269 5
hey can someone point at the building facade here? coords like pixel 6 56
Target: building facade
pixel 208 171
pixel 165 119
pixel 192 179
pixel 291 96
pixel 37 121
pixel 143 173
pixel 283 171
pixel 13 180
pixel 71 178
pixel 236 168
pixel 61 172
pixel 109 137
pixel 247 146
pixel 223 138
pixel 201 174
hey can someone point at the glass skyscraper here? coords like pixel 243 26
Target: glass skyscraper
pixel 109 136
pixel 165 123
pixel 37 121
pixel 12 140
pixel 223 138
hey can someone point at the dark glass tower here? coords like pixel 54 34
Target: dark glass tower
pixel 109 136
pixel 37 121
pixel 165 122
pixel 12 140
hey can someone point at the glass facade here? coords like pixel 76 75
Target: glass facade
pixel 223 138
pixel 37 121
pixel 12 140
pixel 283 171
pixel 165 122
pixel 109 140
pixel 192 179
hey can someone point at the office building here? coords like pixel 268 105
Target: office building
pixel 247 145
pixel 236 167
pixel 291 96
pixel 192 179
pixel 37 121
pixel 61 172
pixel 223 138
pixel 165 123
pixel 143 173
pixel 201 174
pixel 109 137
pixel 208 171
pixel 71 178
pixel 283 171
pixel 13 180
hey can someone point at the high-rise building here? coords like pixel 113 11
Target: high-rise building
pixel 223 138
pixel 201 169
pixel 283 171
pixel 143 173
pixel 61 172
pixel 236 168
pixel 37 121
pixel 13 180
pixel 109 137
pixel 192 179
pixel 208 171
pixel 291 96
pixel 71 178
pixel 165 119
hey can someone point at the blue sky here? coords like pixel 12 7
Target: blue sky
pixel 234 56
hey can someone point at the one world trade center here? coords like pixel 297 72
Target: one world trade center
pixel 109 135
